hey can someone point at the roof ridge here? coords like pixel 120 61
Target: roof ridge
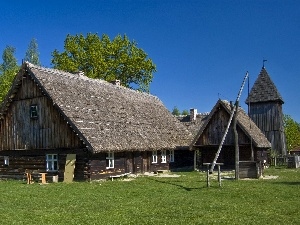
pixel 82 77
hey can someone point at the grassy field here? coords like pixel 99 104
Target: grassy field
pixel 155 200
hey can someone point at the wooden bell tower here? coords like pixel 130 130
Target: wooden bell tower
pixel 265 109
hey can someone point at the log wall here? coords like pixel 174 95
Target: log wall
pixel 136 163
pixel 182 159
pixel 227 154
pixel 35 161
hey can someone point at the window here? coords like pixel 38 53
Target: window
pixel 171 155
pixel 154 156
pixel 51 162
pixel 110 160
pixel 33 112
pixel 6 161
pixel 163 156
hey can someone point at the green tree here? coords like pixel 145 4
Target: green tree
pixel 292 132
pixel 9 59
pixel 8 70
pixel 176 111
pixel 32 53
pixel 185 112
pixel 117 59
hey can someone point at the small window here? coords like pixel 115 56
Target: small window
pixel 51 162
pixel 163 156
pixel 33 112
pixel 6 160
pixel 171 155
pixel 154 156
pixel 110 160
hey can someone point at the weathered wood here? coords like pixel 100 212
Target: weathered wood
pixel 236 143
pixel 49 130
pixel 249 169
pixel 19 163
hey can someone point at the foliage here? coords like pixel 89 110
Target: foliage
pixel 176 111
pixel 32 53
pixel 292 132
pixel 185 112
pixel 155 200
pixel 9 59
pixel 117 59
pixel 273 153
pixel 8 70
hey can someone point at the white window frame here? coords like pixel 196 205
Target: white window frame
pixel 6 160
pixel 51 162
pixel 172 158
pixel 110 160
pixel 154 156
pixel 163 156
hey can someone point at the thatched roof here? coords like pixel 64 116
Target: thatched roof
pixel 106 116
pixel 264 90
pixel 243 121
pixel 193 125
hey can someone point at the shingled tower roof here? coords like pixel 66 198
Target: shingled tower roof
pixel 264 90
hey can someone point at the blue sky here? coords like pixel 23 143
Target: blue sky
pixel 202 49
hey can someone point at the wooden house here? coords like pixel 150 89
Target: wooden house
pixel 208 131
pixel 49 115
pixel 265 104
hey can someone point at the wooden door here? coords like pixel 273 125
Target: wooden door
pixel 69 168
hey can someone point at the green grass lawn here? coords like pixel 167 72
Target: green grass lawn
pixel 155 200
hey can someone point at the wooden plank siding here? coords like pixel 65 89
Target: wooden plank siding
pixel 213 133
pixel 48 131
pixel 268 116
pixel 211 136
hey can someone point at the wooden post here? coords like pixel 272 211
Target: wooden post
pixel 195 159
pixel 28 176
pixel 236 142
pixel 207 174
pixel 43 178
pixel 219 175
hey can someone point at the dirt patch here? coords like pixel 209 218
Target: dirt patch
pixel 268 177
pixel 168 175
pixel 161 174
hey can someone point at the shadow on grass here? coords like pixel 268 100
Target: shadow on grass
pixel 287 182
pixel 177 185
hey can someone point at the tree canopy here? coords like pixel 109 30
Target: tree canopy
pixel 9 59
pixel 185 112
pixel 292 132
pixel 117 59
pixel 8 70
pixel 175 111
pixel 32 53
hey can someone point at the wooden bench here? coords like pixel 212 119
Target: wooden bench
pixel 207 173
pixel 35 175
pixel 122 176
